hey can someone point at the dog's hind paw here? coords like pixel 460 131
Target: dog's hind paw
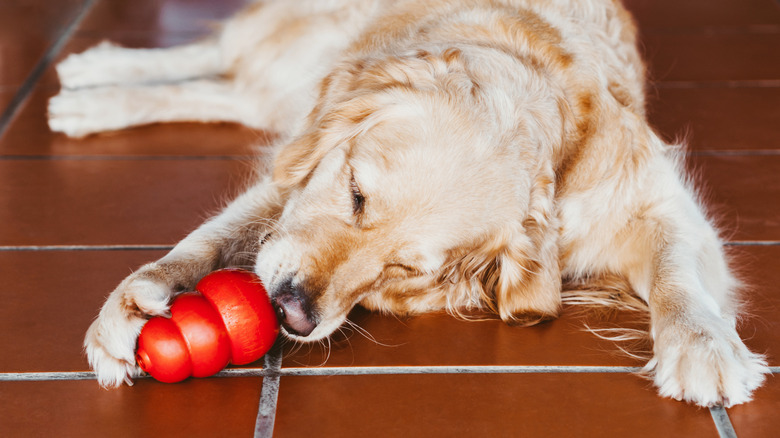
pixel 82 112
pixel 90 68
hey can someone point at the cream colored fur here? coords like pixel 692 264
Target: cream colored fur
pixel 434 155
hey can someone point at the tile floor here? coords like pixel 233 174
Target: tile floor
pixel 79 215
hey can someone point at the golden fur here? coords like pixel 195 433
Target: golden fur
pixel 440 155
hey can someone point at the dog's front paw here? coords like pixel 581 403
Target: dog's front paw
pixel 706 366
pixel 111 340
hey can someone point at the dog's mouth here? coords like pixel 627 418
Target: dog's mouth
pixel 320 331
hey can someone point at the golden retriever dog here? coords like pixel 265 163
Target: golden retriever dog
pixel 434 155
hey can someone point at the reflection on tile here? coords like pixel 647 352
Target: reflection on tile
pixel 112 202
pixel 197 407
pixel 494 405
pixel 50 298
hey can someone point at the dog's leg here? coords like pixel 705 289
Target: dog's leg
pixel 230 239
pixel 81 112
pixel 109 64
pixel 674 260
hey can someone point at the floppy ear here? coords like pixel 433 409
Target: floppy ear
pixel 528 283
pixel 528 278
pixel 516 271
pixel 295 161
pixel 339 115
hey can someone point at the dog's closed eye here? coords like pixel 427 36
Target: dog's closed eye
pixel 358 200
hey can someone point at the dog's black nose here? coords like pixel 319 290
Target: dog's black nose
pixel 293 309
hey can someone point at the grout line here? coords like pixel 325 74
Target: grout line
pixel 40 67
pixel 152 247
pixel 760 83
pixel 241 157
pixel 722 422
pixel 47 376
pixel 722 29
pixel 83 247
pixel 272 369
pixel 734 153
pixel 753 243
pixel 445 369
pixel 266 412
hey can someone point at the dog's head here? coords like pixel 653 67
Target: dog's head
pixel 402 184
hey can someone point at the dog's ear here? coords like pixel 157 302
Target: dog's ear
pixel 296 160
pixel 527 286
pixel 515 271
pixel 510 276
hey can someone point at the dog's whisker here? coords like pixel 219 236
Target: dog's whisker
pixel 365 333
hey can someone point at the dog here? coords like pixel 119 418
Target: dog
pixel 438 155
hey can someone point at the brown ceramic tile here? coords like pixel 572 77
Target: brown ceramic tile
pixel 760 267
pixel 758 419
pixel 170 16
pixel 19 57
pixel 27 29
pixel 489 405
pixel 713 56
pixel 740 191
pixel 6 95
pixel 714 118
pixel 50 298
pixel 29 135
pixel 195 408
pixel 699 13
pixel 440 339
pixel 104 202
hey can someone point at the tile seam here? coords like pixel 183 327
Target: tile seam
pixel 446 369
pixel 746 83
pixel 363 370
pixel 123 247
pixel 25 90
pixel 722 422
pixel 269 394
pixel 733 153
pixel 10 248
pixel 128 157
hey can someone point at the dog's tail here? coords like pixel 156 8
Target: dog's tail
pixel 611 297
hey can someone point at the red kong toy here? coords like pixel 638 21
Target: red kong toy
pixel 230 320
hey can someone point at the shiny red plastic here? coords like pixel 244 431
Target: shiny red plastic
pixel 202 328
pixel 245 308
pixel 232 321
pixel 162 351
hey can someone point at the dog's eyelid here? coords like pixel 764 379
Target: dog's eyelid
pixel 358 199
pixel 409 269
